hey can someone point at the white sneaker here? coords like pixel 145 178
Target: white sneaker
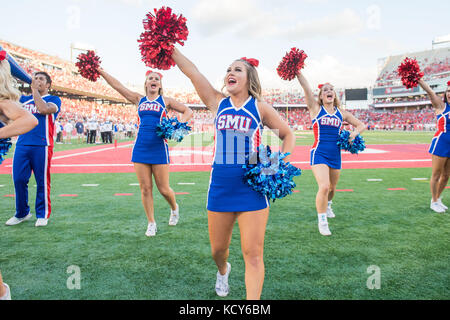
pixel 442 205
pixel 7 295
pixel 174 216
pixel 222 287
pixel 41 222
pixel 324 230
pixel 330 213
pixel 13 221
pixel 151 229
pixel 436 207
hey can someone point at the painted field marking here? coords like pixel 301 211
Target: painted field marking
pixel 181 192
pixel 447 187
pixel 134 184
pixel 419 179
pixel 370 180
pixel 296 191
pixel 396 189
pixel 344 190
pixel 68 195
pixel 123 194
pixel 2 185
pixel 89 185
pixel 88 152
pixel 9 195
pixel 186 183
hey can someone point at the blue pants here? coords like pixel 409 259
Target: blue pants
pixel 36 159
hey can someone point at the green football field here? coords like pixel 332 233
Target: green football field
pixel 101 235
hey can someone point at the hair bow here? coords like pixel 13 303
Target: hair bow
pixel 150 71
pixel 252 61
pixel 321 85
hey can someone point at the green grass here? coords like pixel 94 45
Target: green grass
pixel 104 235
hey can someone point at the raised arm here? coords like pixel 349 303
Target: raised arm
pixel 210 96
pixel 180 107
pixel 311 102
pixel 131 96
pixel 22 120
pixel 272 120
pixel 437 102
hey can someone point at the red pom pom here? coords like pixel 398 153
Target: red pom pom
pixel 410 73
pixel 448 83
pixel 88 64
pixel 3 55
pixel 162 31
pixel 291 63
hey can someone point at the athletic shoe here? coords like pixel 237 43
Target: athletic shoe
pixel 436 207
pixel 174 216
pixel 13 221
pixel 41 222
pixel 330 213
pixel 324 230
pixel 151 229
pixel 222 287
pixel 7 295
pixel 442 205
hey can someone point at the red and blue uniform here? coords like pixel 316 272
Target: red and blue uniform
pixel 237 135
pixel 149 147
pixel 440 144
pixel 34 151
pixel 326 128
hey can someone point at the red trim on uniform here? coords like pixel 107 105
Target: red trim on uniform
pixel 51 130
pixel 49 161
pixel 316 134
pixel 440 126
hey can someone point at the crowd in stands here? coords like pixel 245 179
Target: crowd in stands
pixel 63 73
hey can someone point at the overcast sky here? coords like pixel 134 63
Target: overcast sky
pixel 343 39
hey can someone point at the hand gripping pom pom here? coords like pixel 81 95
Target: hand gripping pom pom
pixel 5 145
pixel 162 31
pixel 88 64
pixel 291 64
pixel 270 175
pixel 354 147
pixel 410 73
pixel 172 129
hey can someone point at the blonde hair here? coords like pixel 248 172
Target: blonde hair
pixel 336 102
pixel 160 91
pixel 254 85
pixel 7 89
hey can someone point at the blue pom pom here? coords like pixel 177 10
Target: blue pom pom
pixel 5 145
pixel 356 146
pixel 270 175
pixel 172 129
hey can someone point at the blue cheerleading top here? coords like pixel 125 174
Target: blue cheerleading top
pixel 440 144
pixel 238 133
pixel 326 126
pixel 151 113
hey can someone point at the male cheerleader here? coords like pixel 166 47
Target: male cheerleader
pixel 34 151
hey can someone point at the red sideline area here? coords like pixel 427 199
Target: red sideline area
pixel 107 158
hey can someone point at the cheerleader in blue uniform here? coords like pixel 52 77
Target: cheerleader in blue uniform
pixel 325 159
pixel 150 152
pixel 440 147
pixel 239 119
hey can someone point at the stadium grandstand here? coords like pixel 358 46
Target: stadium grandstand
pixel 393 107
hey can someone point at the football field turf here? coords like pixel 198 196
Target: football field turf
pixel 100 230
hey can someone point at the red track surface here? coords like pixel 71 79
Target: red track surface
pixel 107 158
